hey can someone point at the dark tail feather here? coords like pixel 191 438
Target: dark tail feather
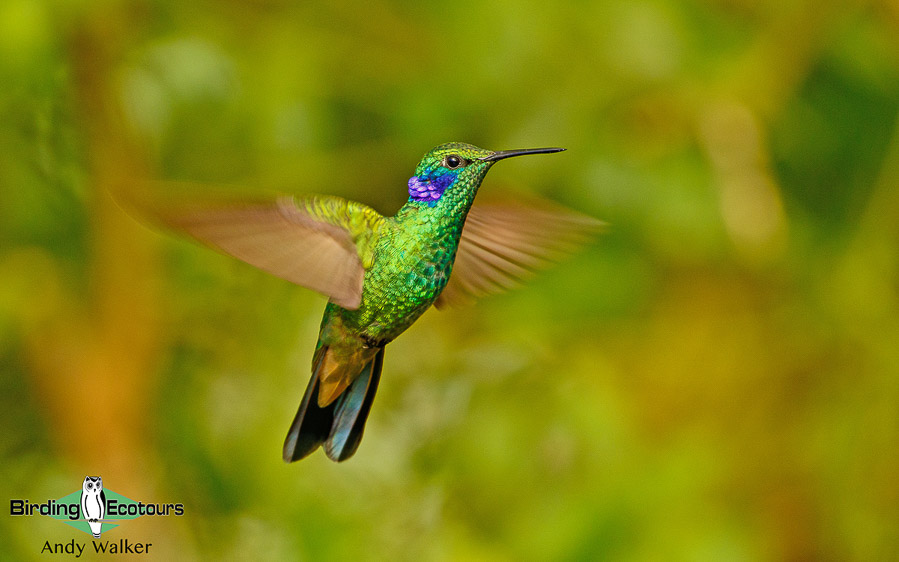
pixel 312 424
pixel 338 425
pixel 352 411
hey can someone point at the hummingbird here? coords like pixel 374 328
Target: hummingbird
pixel 382 273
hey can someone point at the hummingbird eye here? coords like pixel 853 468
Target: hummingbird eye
pixel 454 161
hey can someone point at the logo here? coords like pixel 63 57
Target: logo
pixel 94 510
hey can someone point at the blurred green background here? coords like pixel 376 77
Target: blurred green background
pixel 714 379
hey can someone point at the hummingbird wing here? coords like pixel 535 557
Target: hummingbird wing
pixel 504 243
pixel 322 243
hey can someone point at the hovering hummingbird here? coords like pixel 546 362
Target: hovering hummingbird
pixel 381 273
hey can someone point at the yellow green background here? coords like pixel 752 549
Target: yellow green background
pixel 715 378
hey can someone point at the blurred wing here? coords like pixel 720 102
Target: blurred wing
pixel 321 243
pixel 505 243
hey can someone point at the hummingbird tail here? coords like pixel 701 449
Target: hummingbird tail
pixel 339 425
pixel 351 411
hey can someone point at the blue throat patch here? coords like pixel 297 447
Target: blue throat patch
pixel 429 189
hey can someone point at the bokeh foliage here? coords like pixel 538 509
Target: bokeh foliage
pixel 715 379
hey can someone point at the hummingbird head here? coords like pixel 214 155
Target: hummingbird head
pixel 454 171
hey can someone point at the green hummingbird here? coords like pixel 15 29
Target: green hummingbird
pixel 382 273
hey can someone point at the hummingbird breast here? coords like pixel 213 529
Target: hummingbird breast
pixel 412 265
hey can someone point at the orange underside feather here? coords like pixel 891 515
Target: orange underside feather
pixel 338 370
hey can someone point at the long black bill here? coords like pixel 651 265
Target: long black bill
pixel 500 154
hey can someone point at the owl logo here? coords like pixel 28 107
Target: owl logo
pixel 93 503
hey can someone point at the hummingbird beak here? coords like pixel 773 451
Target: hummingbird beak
pixel 500 154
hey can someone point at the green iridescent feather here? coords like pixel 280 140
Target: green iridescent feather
pixel 382 274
